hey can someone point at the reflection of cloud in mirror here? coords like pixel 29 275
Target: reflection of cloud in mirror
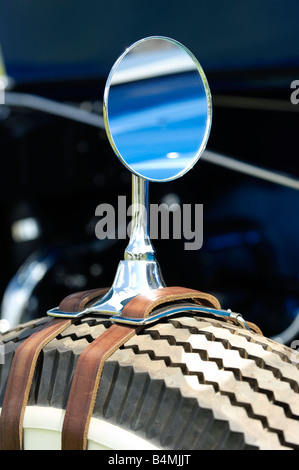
pixel 152 44
pixel 172 155
pixel 146 65
pixel 159 163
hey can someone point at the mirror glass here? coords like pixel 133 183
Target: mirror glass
pixel 157 109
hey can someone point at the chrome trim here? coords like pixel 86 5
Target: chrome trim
pixel 19 291
pixel 56 108
pixel 181 309
pixel 289 334
pixel 250 169
pixel 161 314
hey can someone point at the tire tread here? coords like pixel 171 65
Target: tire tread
pixel 186 383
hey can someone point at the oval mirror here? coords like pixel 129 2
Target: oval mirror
pixel 157 109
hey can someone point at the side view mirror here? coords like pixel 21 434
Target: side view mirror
pixel 157 112
pixel 157 109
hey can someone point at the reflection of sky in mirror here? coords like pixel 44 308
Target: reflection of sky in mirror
pixel 158 124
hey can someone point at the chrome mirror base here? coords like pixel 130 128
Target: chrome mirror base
pixel 131 279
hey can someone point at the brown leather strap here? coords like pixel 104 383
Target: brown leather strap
pixel 85 385
pixel 161 297
pixel 79 300
pixel 91 362
pixel 23 367
pixel 19 383
pixel 144 304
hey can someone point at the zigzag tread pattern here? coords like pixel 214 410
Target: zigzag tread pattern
pixel 188 383
pixel 253 383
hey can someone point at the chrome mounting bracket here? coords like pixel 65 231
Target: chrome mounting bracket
pixel 139 272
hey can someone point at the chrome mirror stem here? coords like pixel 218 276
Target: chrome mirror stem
pixel 140 246
pixel 139 272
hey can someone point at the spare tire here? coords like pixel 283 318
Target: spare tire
pixel 189 382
